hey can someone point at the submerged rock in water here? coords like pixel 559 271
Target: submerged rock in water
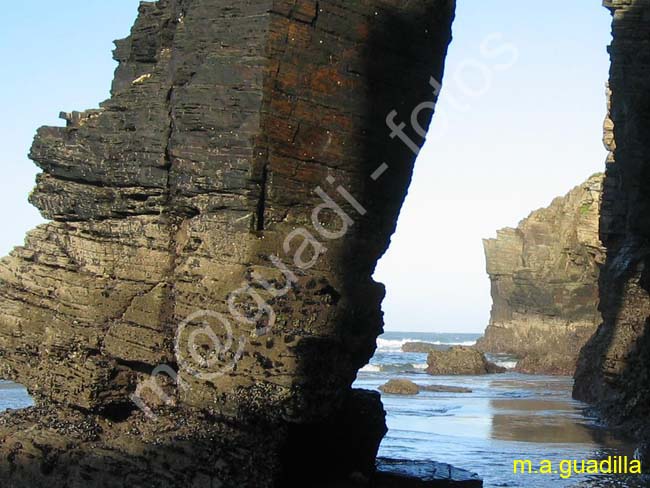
pixel 423 347
pixel 544 277
pixel 197 309
pixel 407 387
pixel 400 387
pixel 460 360
pixel 445 389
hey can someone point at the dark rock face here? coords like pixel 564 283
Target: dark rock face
pixel 354 432
pixel 614 366
pixel 216 221
pixel 423 474
pixel 559 364
pixel 46 447
pixel 460 360
pixel 399 473
pixel 544 277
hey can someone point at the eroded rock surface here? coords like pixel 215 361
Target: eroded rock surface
pixel 614 366
pixel 400 386
pixel 425 474
pixel 544 278
pixel 460 360
pixel 217 217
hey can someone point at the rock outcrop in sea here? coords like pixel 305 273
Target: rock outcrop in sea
pixel 544 279
pixel 460 360
pixel 399 386
pixel 200 302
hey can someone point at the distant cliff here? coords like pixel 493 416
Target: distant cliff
pixel 544 277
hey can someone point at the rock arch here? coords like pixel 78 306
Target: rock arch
pixel 241 138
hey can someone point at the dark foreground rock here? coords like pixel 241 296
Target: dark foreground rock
pixel 460 360
pixel 614 367
pixel 45 447
pixel 424 474
pixel 397 473
pixel 196 310
pixel 544 277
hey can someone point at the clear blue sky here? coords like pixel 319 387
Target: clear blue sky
pixel 56 57
pixel 532 135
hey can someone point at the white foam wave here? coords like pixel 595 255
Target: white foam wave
pixel 420 366
pixel 392 345
pixel 506 364
pixel 370 368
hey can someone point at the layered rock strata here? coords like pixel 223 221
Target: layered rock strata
pixel 423 474
pixel 544 279
pixel 216 223
pixel 614 366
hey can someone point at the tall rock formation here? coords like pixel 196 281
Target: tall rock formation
pixel 216 223
pixel 614 366
pixel 544 277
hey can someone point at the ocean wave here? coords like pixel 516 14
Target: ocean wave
pixel 394 368
pixel 395 345
pixel 506 364
pixel 504 360
pixel 371 368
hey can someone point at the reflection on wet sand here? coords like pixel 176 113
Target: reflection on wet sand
pixel 505 417
pixel 544 385
pixel 544 421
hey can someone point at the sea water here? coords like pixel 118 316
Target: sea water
pixel 506 417
pixel 13 396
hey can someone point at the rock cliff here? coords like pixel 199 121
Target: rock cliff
pixel 544 278
pixel 196 310
pixel 614 366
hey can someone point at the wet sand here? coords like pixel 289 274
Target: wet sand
pixel 506 417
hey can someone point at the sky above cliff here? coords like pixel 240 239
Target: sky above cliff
pixel 519 122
